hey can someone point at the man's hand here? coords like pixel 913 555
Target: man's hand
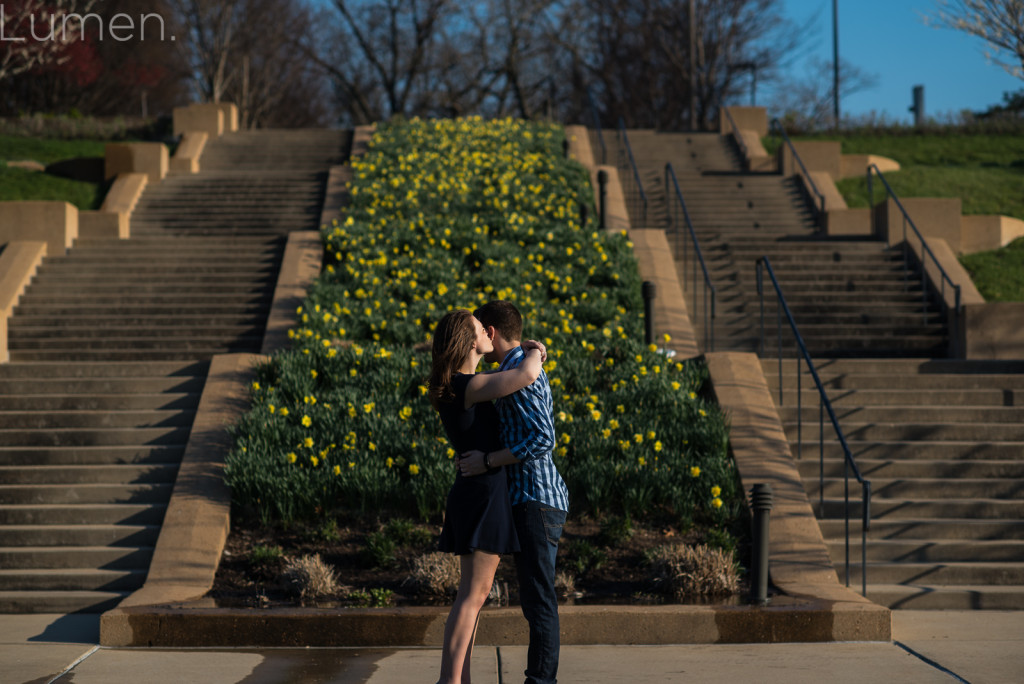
pixel 472 463
pixel 535 344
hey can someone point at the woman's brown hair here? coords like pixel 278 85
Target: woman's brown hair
pixel 454 337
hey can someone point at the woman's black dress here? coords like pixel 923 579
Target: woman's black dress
pixel 478 514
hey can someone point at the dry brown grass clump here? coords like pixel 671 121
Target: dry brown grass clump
pixel 693 571
pixel 436 574
pixel 309 577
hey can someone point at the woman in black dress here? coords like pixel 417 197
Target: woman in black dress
pixel 478 517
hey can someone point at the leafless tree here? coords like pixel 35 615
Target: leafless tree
pixel 641 61
pixel 38 32
pixel 1000 23
pixel 806 103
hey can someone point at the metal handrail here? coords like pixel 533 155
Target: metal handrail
pixel 777 125
pixel 736 131
pixel 597 126
pixel 709 287
pixel 624 138
pixel 926 251
pixel 825 406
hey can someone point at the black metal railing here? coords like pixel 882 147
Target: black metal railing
pixel 824 407
pixel 709 292
pixel 595 114
pixel 926 253
pixel 629 177
pixel 817 199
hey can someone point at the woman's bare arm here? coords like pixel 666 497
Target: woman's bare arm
pixel 490 386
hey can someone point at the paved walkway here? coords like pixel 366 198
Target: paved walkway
pixel 928 646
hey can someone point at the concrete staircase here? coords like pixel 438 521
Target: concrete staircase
pixel 942 443
pixel 850 298
pixel 110 345
pixel 940 440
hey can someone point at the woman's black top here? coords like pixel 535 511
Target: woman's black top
pixel 478 514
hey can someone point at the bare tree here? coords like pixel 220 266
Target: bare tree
pixel 384 55
pixel 38 32
pixel 806 103
pixel 211 32
pixel 641 66
pixel 1000 23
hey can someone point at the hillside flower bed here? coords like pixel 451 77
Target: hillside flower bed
pixel 449 214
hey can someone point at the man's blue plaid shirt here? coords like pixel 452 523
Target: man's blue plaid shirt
pixel 528 430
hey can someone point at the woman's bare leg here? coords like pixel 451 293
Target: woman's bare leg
pixel 475 584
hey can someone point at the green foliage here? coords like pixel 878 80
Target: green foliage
pixel 261 555
pixel 376 597
pixel 582 557
pixel 448 214
pixel 21 184
pixel 998 274
pixel 616 530
pixel 46 151
pixel 379 551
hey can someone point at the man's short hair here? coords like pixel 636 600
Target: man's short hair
pixel 503 316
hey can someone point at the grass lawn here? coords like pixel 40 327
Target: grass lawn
pixel 998 274
pixel 985 171
pixel 19 184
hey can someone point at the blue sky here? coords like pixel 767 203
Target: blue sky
pixel 889 39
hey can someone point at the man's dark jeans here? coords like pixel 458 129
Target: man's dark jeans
pixel 539 527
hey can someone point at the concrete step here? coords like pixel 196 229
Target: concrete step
pixel 925 488
pixel 194 369
pixel 83 344
pixel 908 414
pixel 60 557
pixel 157 492
pixel 80 288
pixel 79 437
pixel 92 402
pixel 60 602
pixel 126 474
pixel 908 432
pixel 120 354
pixel 96 455
pixel 842 398
pixel 920 450
pixel 916 509
pixel 881 572
pixel 45 420
pixel 113 385
pixel 63 329
pixel 72 579
pixel 930 528
pixel 151 321
pixel 920 468
pixel 930 550
pixel 78 535
pixel 83 514
pixel 195 301
pixel 55 310
pixel 938 597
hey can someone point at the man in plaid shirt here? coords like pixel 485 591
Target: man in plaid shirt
pixel 540 499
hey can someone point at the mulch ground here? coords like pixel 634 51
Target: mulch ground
pixel 622 577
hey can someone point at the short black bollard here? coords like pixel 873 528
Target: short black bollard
pixel 565 147
pixel 648 290
pixel 761 503
pixel 602 191
pixel 584 213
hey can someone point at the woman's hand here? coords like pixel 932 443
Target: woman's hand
pixel 535 344
pixel 472 463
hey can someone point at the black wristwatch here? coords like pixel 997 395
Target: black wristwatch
pixel 487 460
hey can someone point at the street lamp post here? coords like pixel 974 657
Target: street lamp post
pixel 835 62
